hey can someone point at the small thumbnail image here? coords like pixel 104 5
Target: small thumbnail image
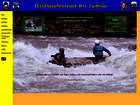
pixel 123 5
pixel 15 5
pixel 133 5
pixel 5 5
pixel 3 58
pixel 33 24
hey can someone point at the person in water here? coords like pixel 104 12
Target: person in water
pixel 59 58
pixel 98 51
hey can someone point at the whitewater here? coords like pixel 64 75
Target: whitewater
pixel 32 73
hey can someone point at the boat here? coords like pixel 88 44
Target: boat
pixel 80 61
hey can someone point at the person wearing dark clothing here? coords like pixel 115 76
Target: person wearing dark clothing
pixel 59 58
pixel 5 6
pixel 98 51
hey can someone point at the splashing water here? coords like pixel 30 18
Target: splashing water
pixel 30 60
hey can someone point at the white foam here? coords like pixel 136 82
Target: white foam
pixel 27 58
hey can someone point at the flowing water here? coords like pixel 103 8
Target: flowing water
pixel 32 73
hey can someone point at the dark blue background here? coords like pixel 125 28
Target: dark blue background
pixel 113 5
